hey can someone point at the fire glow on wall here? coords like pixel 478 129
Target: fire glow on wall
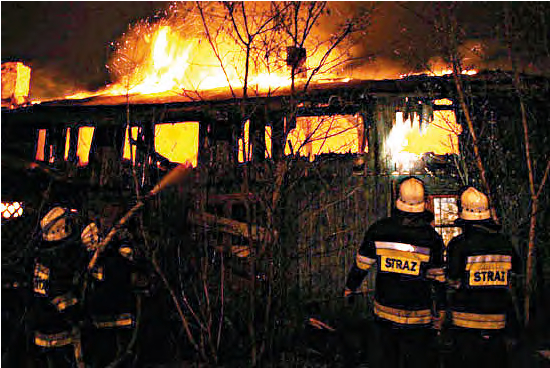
pixel 178 142
pixel 411 138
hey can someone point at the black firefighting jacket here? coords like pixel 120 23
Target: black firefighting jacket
pixel 480 263
pixel 409 254
pixel 57 278
pixel 110 299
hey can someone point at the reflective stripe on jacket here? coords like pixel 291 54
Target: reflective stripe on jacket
pixel 53 340
pixel 62 339
pixel 364 263
pixel 41 278
pixel 480 264
pixel 62 302
pixel 121 320
pixel 409 257
pixel 479 321
pixel 402 316
pixel 396 249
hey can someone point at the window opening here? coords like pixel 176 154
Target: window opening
pixel 67 143
pixel 178 142
pixel 40 145
pixel 85 135
pixel 127 144
pixel 445 209
pixel 315 135
pixel 410 139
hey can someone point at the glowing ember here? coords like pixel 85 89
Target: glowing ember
pixel 245 147
pixel 268 143
pixel 439 73
pixel 443 102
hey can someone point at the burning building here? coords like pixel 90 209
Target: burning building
pixel 174 101
pixel 362 134
pixel 15 83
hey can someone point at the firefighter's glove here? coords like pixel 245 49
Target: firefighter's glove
pixel 349 295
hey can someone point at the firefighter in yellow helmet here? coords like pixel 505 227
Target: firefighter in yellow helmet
pixel 111 300
pixel 409 255
pixel 57 288
pixel 480 265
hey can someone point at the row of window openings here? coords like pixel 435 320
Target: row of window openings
pixel 312 136
pixel 179 142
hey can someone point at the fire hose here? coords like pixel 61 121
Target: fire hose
pixel 175 176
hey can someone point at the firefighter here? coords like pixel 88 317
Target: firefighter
pixel 56 287
pixel 111 303
pixel 480 266
pixel 409 255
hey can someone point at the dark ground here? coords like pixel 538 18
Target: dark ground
pixel 159 344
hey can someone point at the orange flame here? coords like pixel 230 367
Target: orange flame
pixel 408 140
pixel 85 135
pixel 325 134
pixel 178 142
pixel 439 72
pixel 173 55
pixel 40 145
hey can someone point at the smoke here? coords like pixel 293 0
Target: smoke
pixel 49 82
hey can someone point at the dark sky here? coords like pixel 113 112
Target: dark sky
pixel 67 43
pixel 68 39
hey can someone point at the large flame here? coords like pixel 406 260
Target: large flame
pixel 175 55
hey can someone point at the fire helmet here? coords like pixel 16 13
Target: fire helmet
pixel 90 236
pixel 475 205
pixel 411 196
pixel 56 224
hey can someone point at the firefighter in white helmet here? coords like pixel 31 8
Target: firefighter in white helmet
pixel 57 287
pixel 481 262
pixel 409 255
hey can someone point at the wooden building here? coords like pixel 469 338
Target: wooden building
pixel 332 199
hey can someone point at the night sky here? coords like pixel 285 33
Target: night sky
pixel 67 43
